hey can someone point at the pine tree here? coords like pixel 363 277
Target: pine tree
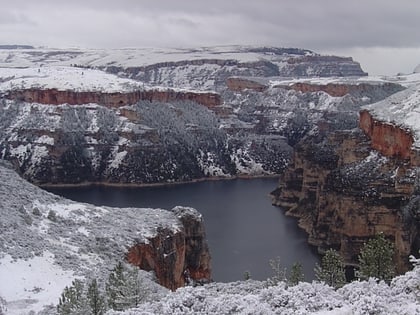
pixel 114 287
pixel 376 259
pixel 331 270
pixel 72 300
pixel 279 272
pixel 124 288
pixel 95 299
pixel 296 274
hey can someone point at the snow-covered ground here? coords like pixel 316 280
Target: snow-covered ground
pixel 128 57
pixel 64 78
pixel 257 297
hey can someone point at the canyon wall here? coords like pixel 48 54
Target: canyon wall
pixel 117 99
pixel 343 193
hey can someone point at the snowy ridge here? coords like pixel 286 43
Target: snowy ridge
pixel 47 241
pixel 65 78
pixel 136 57
pixel 402 109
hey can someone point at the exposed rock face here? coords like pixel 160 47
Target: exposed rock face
pixel 338 90
pixel 56 97
pixel 344 193
pixel 176 257
pixel 388 139
pixel 240 84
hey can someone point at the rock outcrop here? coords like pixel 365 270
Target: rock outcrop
pixel 176 257
pixel 338 89
pixel 240 84
pixel 389 139
pixel 56 97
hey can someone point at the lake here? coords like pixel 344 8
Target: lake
pixel 244 230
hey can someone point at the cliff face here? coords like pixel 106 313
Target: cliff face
pixel 389 139
pixel 344 193
pixel 56 97
pixel 176 257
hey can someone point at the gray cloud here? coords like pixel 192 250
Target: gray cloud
pixel 322 25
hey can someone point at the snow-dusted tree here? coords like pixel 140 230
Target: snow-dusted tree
pixel 72 300
pixel 376 259
pixel 280 272
pixel 124 287
pixel 3 308
pixel 95 299
pixel 296 274
pixel 331 270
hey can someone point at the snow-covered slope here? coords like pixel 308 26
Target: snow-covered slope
pixel 47 241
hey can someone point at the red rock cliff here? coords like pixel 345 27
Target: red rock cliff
pixel 176 257
pixel 56 97
pixel 390 140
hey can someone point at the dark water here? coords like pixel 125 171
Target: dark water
pixel 244 230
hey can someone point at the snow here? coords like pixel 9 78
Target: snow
pixel 127 57
pixel 257 297
pixel 64 78
pixel 44 139
pixel 402 109
pixel 33 283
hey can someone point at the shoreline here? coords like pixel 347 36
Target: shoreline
pixel 141 185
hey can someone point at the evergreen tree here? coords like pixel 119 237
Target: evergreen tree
pixel 279 272
pixel 95 299
pixel 3 308
pixel 376 259
pixel 114 287
pixel 124 288
pixel 72 300
pixel 296 274
pixel 331 270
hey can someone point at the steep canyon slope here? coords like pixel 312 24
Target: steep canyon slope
pixel 187 119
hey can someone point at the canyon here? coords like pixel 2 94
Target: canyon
pixel 347 173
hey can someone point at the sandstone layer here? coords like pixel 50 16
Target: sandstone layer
pixel 56 97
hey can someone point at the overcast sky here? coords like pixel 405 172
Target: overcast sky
pixel 383 35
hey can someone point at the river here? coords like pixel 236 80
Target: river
pixel 244 230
